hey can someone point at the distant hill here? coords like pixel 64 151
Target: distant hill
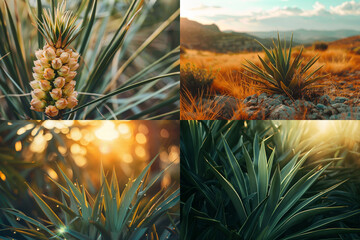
pixel 209 37
pixel 304 36
pixel 349 43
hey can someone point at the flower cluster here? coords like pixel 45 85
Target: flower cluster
pixel 53 85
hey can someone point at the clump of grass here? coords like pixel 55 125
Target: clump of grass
pixel 357 50
pixel 195 80
pixel 182 50
pixel 321 46
pixel 197 108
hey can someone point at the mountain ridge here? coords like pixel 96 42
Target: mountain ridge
pixel 195 35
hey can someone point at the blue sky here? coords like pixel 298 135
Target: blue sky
pixel 274 15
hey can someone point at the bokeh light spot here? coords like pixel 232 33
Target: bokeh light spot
pixel 75 134
pixel 141 138
pixel 80 160
pixel 2 176
pixel 52 174
pixel 18 146
pixel 164 133
pixel 140 151
pixel 127 158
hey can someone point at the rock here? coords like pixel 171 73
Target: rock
pixel 325 100
pixel 313 116
pixel 271 102
pixel 340 99
pixel 288 102
pixel 279 97
pixel 227 104
pixel 328 111
pixel 355 101
pixel 301 104
pixel 283 112
pixel 341 107
pixel 262 97
pixel 253 101
pixel 246 100
pixel 321 107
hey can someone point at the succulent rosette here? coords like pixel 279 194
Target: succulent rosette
pixel 55 69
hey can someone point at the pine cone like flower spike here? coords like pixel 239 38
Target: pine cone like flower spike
pixel 55 68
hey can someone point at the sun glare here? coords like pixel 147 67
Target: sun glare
pixel 324 126
pixel 107 132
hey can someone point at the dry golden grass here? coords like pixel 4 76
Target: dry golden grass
pixel 193 108
pixel 336 61
pixel 228 67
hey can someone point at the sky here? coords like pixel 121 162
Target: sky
pixel 274 15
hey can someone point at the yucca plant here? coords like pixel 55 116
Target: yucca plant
pixel 99 60
pixel 234 188
pixel 56 64
pixel 132 213
pixel 281 75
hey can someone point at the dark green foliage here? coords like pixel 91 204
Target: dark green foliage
pixel 195 80
pixel 357 50
pixel 246 180
pixel 131 213
pixel 321 46
pixel 282 75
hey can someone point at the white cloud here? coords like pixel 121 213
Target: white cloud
pixel 230 18
pixel 346 8
pixel 318 10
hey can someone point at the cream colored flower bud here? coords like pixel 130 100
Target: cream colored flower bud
pixel 37 104
pixel 38 76
pixel 37 63
pixel 64 71
pixel 56 93
pixel 70 77
pixel 51 111
pixel 59 51
pixel 35 84
pixel 45 62
pixel 56 63
pixel 49 54
pixel 46 46
pixel 38 93
pixel 74 68
pixel 39 54
pixel 75 55
pixel 74 94
pixel 38 69
pixel 61 103
pixel 72 83
pixel 45 85
pixel 65 57
pixel 59 82
pixel 72 63
pixel 72 102
pixel 49 74
pixel 69 51
pixel 68 88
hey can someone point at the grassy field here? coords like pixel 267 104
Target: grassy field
pixel 340 62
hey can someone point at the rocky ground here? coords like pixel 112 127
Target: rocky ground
pixel 278 106
pixel 339 99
